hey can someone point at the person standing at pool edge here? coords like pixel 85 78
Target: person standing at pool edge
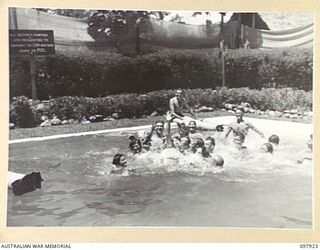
pixel 240 129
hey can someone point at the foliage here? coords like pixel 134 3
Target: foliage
pixel 104 73
pixel 21 113
pixel 120 25
pixel 138 105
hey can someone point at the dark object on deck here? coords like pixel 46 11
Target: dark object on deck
pixel 219 128
pixel 27 184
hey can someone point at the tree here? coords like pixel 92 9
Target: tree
pixel 117 25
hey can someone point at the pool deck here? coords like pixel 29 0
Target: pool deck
pixel 215 121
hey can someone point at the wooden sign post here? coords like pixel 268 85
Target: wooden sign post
pixel 31 43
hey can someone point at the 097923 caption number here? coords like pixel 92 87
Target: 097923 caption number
pixel 308 246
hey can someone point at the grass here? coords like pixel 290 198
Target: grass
pixel 20 133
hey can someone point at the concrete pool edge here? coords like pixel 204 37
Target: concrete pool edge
pixel 123 129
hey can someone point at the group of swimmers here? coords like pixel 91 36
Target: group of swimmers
pixel 189 139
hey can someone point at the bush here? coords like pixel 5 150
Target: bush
pixel 99 74
pixel 25 113
pixel 21 113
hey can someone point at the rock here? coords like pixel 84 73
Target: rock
pixel 205 109
pixel 231 111
pixel 286 115
pixel 305 117
pixel 246 109
pixel 294 111
pixel 278 113
pixel 46 123
pixel 41 107
pixel 72 121
pixel 228 106
pixel 85 122
pixel 115 115
pixel 223 110
pixel 246 104
pixel 286 111
pixel 293 116
pixel 240 107
pixel 96 118
pixel 44 118
pixel 155 113
pixel 251 111
pixel 310 114
pixel 261 113
pixel 108 119
pixel 11 125
pixel 64 122
pixel 55 121
pixel 272 113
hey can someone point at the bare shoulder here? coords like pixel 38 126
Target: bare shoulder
pixel 173 100
pixel 249 124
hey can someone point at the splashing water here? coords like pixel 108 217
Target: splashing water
pixel 166 188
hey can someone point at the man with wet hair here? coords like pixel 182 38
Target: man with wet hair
pixel 274 139
pixel 240 129
pixel 156 139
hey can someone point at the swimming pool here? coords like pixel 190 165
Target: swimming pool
pixel 252 191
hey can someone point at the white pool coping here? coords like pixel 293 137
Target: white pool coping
pixel 216 120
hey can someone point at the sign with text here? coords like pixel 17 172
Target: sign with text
pixel 31 42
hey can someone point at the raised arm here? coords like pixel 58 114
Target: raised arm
pixel 256 130
pixel 147 139
pixel 169 139
pixel 228 132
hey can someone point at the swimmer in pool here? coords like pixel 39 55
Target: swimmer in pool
pixel 308 154
pixel 240 129
pixel 196 144
pixel 156 139
pixel 120 163
pixel 209 144
pixel 184 144
pixel 135 145
pixel 21 183
pixel 274 140
pixel 217 161
pixel 193 134
pixel 266 148
pixel 183 131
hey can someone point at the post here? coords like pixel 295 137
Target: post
pixel 138 36
pixel 241 35
pixel 222 21
pixel 13 19
pixel 33 78
pixel 222 52
pixel 223 63
pixel 253 20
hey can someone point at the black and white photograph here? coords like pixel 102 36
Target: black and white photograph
pixel 160 118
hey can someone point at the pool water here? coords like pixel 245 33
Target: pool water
pixel 253 190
